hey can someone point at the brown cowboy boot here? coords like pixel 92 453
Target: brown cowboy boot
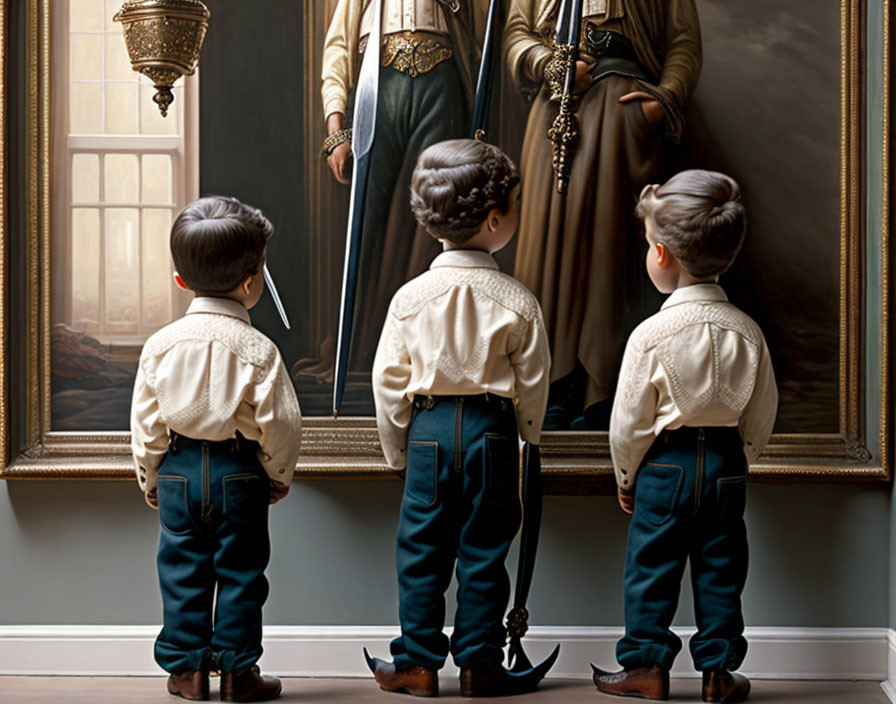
pixel 417 680
pixel 249 685
pixel 192 685
pixel 724 686
pixel 646 682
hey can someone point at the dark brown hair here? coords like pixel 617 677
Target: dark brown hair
pixel 699 217
pixel 457 183
pixel 217 243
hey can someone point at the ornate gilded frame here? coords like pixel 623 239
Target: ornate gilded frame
pixel 4 232
pixel 348 448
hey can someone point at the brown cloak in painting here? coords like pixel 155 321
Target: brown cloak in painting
pixel 573 252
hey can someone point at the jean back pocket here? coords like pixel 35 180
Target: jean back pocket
pixel 422 478
pixel 246 495
pixel 174 509
pixel 658 491
pixel 732 496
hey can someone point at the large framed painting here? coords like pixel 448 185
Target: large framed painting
pixel 93 176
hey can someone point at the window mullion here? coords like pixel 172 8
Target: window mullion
pixel 140 283
pixel 102 241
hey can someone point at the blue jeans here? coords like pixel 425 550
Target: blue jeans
pixel 213 507
pixel 460 506
pixel 690 496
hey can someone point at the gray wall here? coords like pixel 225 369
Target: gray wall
pixel 83 552
pixel 893 559
pixel 873 260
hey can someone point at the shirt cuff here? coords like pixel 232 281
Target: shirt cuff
pixel 751 451
pixel 529 431
pixel 625 476
pixel 147 477
pixel 396 457
pixel 334 105
pixel 280 469
pixel 539 57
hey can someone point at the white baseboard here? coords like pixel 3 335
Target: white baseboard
pixel 889 685
pixel 325 651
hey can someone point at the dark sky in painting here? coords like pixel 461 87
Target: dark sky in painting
pixel 767 111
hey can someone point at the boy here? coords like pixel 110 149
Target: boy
pixel 215 429
pixel 461 370
pixel 696 400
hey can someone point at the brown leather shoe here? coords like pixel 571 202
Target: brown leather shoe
pixel 724 686
pixel 417 680
pixel 249 685
pixel 644 682
pixel 192 685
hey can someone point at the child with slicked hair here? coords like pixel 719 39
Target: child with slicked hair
pixel 215 432
pixel 461 373
pixel 696 401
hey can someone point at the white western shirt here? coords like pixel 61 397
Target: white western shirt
pixel 407 16
pixel 461 328
pixel 206 376
pixel 698 362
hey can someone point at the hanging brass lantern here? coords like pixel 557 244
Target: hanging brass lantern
pixel 164 38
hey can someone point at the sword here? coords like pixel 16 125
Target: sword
pixel 483 82
pixel 564 132
pixel 521 669
pixel 272 287
pixel 363 131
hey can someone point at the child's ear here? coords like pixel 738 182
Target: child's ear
pixel 246 286
pixel 662 254
pixel 180 282
pixel 494 219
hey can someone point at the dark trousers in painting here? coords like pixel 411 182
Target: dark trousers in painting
pixel 460 508
pixel 213 506
pixel 412 114
pixel 689 504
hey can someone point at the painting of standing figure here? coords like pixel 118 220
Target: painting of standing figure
pixel 428 57
pixel 638 63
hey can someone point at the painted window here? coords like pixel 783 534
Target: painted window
pixel 127 172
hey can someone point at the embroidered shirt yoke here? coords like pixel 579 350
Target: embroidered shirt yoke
pixel 206 376
pixel 461 328
pixel 698 362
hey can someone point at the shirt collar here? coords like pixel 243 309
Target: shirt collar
pixel 470 258
pixel 219 306
pixel 705 293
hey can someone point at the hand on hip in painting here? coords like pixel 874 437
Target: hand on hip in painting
pixel 653 108
pixel 583 78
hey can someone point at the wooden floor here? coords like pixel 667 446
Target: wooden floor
pixel 137 690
